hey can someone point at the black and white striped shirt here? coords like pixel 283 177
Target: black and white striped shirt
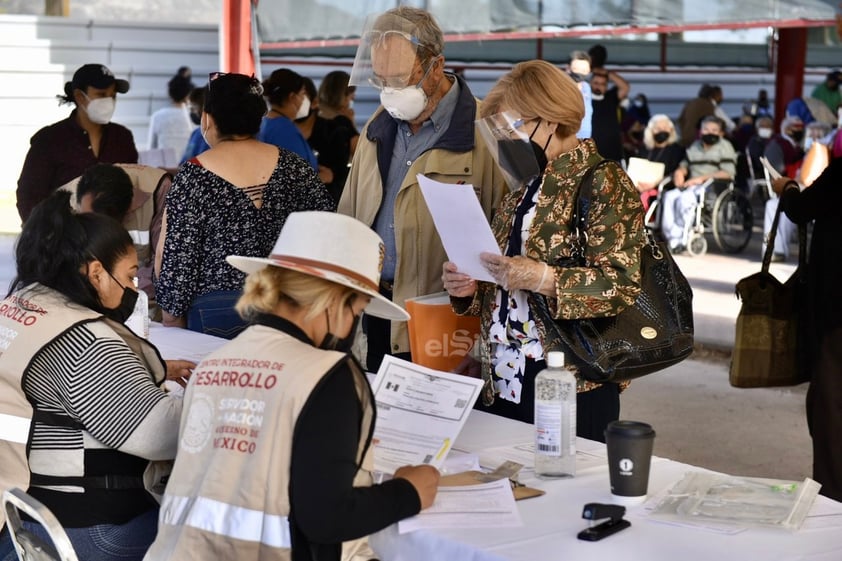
pixel 92 376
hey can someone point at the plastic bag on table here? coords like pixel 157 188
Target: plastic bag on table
pixel 741 501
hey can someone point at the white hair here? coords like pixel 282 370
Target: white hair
pixel 648 138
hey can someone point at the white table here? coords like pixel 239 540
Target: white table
pixel 552 521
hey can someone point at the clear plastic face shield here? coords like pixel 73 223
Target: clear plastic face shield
pixel 511 147
pixel 386 57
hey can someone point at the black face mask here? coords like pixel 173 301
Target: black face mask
pixel 195 118
pixel 540 153
pixel 797 136
pixel 637 135
pixel 660 137
pixel 710 139
pixel 518 159
pixel 333 343
pixel 127 303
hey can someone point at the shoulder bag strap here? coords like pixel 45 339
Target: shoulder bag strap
pixel 581 209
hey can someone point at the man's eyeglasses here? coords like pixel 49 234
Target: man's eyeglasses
pixel 397 83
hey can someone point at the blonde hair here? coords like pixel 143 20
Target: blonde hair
pixel 265 288
pixel 538 89
pixel 648 135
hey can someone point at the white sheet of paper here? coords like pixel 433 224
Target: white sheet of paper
pixel 420 412
pixel 641 170
pixel 461 224
pixel 175 343
pixel 773 173
pixel 488 505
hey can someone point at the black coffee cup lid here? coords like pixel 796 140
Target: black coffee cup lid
pixel 630 428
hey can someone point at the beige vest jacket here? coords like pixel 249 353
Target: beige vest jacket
pixel 227 496
pixel 29 320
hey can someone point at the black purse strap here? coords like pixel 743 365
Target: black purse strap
pixel 579 223
pixel 770 241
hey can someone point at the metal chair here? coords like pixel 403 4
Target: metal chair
pixel 29 546
pixel 762 186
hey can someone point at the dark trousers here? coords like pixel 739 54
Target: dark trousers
pixel 824 414
pixel 594 409
pixel 379 334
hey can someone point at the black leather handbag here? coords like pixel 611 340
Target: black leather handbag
pixel 654 333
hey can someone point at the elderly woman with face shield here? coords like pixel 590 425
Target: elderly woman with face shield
pixel 532 114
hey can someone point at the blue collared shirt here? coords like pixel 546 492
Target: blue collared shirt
pixel 409 147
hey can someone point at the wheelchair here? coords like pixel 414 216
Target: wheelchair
pixel 721 209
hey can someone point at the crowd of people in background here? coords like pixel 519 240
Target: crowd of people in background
pixel 270 168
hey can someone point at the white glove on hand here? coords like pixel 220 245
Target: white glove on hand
pixel 516 273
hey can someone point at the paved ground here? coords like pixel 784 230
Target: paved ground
pixel 699 418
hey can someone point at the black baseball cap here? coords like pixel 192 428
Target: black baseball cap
pixel 97 76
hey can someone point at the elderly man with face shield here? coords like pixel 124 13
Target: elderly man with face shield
pixel 63 151
pixel 425 126
pixel 530 118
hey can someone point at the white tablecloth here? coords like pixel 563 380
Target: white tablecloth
pixel 552 521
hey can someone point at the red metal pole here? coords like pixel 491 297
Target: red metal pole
pixel 789 68
pixel 235 37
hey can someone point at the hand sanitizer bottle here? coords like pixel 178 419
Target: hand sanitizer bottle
pixel 555 420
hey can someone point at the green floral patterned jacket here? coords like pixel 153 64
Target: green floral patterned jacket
pixel 610 281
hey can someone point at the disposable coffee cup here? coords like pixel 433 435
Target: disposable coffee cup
pixel 629 445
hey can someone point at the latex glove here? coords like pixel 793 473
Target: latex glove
pixel 458 285
pixel 516 273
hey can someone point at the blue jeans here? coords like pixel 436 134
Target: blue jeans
pixel 103 542
pixel 213 313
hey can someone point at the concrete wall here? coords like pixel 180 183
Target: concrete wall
pixel 38 54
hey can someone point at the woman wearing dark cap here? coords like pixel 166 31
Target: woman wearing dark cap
pixel 86 137
pixel 170 127
pixel 288 101
pixel 231 199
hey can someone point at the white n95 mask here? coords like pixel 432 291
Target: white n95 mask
pixel 304 109
pixel 404 103
pixel 100 110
